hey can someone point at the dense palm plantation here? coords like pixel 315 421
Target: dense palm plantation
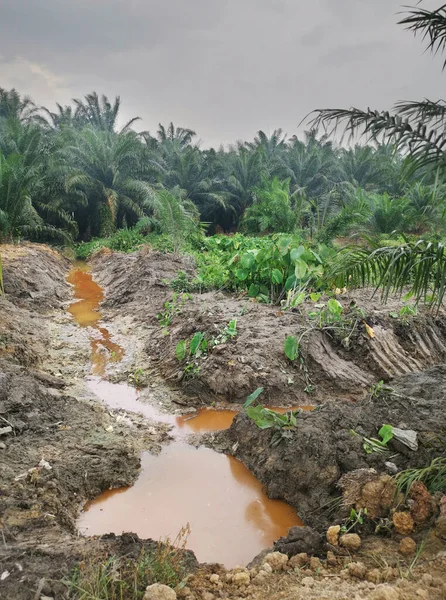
pixel 77 172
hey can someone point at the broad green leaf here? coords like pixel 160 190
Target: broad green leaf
pixel 195 342
pixel 315 297
pixel 299 299
pixel 253 290
pixel 290 282
pixel 276 276
pixel 181 349
pixel 386 434
pixel 300 268
pixel 283 244
pixel 248 260
pixel 241 274
pixel 296 253
pixel 252 397
pixel 334 307
pixel 291 347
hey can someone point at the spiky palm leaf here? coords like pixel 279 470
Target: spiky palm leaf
pixel 420 266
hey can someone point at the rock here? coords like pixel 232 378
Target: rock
pixel 267 568
pixel 420 502
pixel 2 446
pixel 357 569
pixel 385 592
pixel 214 578
pixel 158 591
pixel 299 540
pixel 331 559
pixel 364 488
pixel 241 579
pixel 407 546
pixel 350 541
pixel 440 528
pixel 307 582
pixel 391 467
pixel 207 596
pixel 374 576
pixel 276 560
pixel 403 523
pixel 424 594
pixel 408 437
pixel 315 564
pixel 427 579
pixel 333 535
pixel 298 560
pixel 184 592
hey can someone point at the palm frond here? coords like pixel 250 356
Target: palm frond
pixel 431 24
pixel 419 266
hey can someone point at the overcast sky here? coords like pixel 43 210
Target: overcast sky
pixel 225 68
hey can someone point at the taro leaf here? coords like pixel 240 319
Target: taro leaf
pixel 300 268
pixel 253 290
pixel 296 253
pixel 276 276
pixel 195 342
pixel 284 244
pixel 290 282
pixel 180 350
pixel 386 434
pixel 248 260
pixel 299 299
pixel 334 307
pixel 241 274
pixel 252 397
pixel 291 347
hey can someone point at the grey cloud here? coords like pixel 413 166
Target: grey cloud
pixel 226 68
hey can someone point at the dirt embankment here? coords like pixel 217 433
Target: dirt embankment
pixel 56 448
pixel 306 466
pixel 337 361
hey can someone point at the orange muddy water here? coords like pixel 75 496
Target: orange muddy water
pixel 230 517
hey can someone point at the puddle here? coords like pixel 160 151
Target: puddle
pixel 85 310
pixel 231 518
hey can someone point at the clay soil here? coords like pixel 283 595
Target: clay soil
pixel 60 451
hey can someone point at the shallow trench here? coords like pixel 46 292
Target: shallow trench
pixel 230 517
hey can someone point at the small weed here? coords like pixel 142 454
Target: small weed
pixel 229 332
pixel 375 445
pixel 122 578
pixel 433 477
pixel 377 390
pixel 137 377
pixel 171 308
pixel 265 418
pixel 405 314
pixel 355 518
pixel 291 348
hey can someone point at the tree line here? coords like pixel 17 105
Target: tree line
pixel 74 173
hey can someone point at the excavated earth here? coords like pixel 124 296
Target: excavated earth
pixel 57 448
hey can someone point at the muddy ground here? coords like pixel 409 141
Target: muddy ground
pixel 333 364
pixel 60 452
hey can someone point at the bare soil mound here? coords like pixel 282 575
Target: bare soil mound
pixel 341 361
pixel 328 442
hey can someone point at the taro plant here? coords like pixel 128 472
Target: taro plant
pixel 266 418
pixel 171 308
pixel 379 445
pixel 291 348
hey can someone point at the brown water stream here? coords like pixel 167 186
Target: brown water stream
pixel 230 516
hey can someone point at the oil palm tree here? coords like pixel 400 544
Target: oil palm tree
pixel 101 113
pixel 16 107
pixel 418 130
pixel 104 173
